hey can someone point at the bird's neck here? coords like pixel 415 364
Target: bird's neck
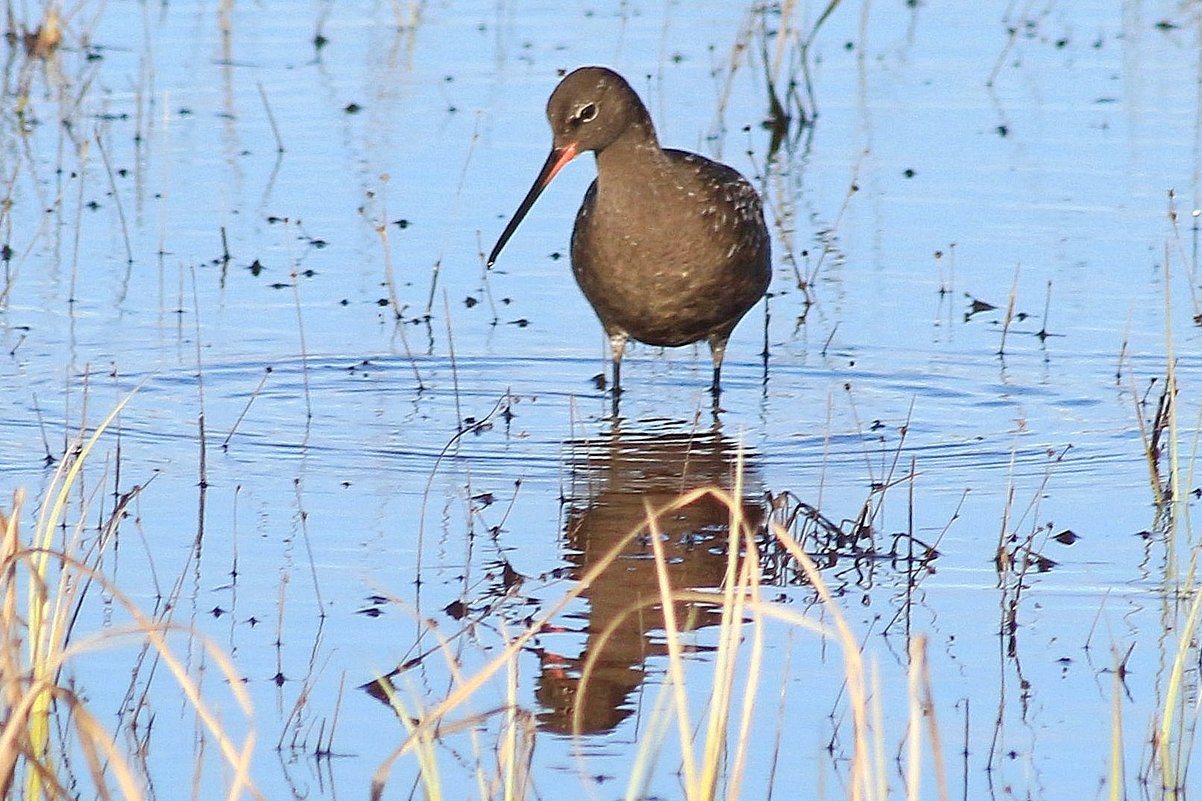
pixel 636 151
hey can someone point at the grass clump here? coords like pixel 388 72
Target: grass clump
pixel 52 745
pixel 707 724
pixel 1171 450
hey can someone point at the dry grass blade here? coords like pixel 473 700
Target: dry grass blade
pixel 676 676
pixel 863 783
pixel 237 757
pixel 46 628
pixel 467 687
pixel 715 751
pixel 914 727
pixel 39 645
pixel 1174 735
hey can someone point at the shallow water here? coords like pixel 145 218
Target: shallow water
pixel 336 478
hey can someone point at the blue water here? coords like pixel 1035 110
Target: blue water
pixel 1048 164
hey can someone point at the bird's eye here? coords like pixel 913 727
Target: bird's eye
pixel 586 113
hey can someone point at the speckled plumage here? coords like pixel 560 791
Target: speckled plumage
pixel 669 247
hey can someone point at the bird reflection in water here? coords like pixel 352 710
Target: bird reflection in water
pixel 615 479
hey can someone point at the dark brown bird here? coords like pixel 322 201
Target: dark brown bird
pixel 669 247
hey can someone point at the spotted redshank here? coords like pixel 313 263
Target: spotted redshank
pixel 669 247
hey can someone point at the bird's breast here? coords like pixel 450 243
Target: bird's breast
pixel 670 262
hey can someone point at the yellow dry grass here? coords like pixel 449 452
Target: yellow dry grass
pixel 44 721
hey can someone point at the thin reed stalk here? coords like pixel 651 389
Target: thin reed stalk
pixel 44 720
pixel 715 746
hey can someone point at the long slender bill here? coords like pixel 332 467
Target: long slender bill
pixel 559 157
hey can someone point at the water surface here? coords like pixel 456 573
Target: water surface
pixel 383 472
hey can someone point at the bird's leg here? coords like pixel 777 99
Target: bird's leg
pixel 717 351
pixel 617 347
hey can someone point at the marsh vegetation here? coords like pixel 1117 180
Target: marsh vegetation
pixel 301 501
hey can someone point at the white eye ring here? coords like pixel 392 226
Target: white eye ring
pixel 586 113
